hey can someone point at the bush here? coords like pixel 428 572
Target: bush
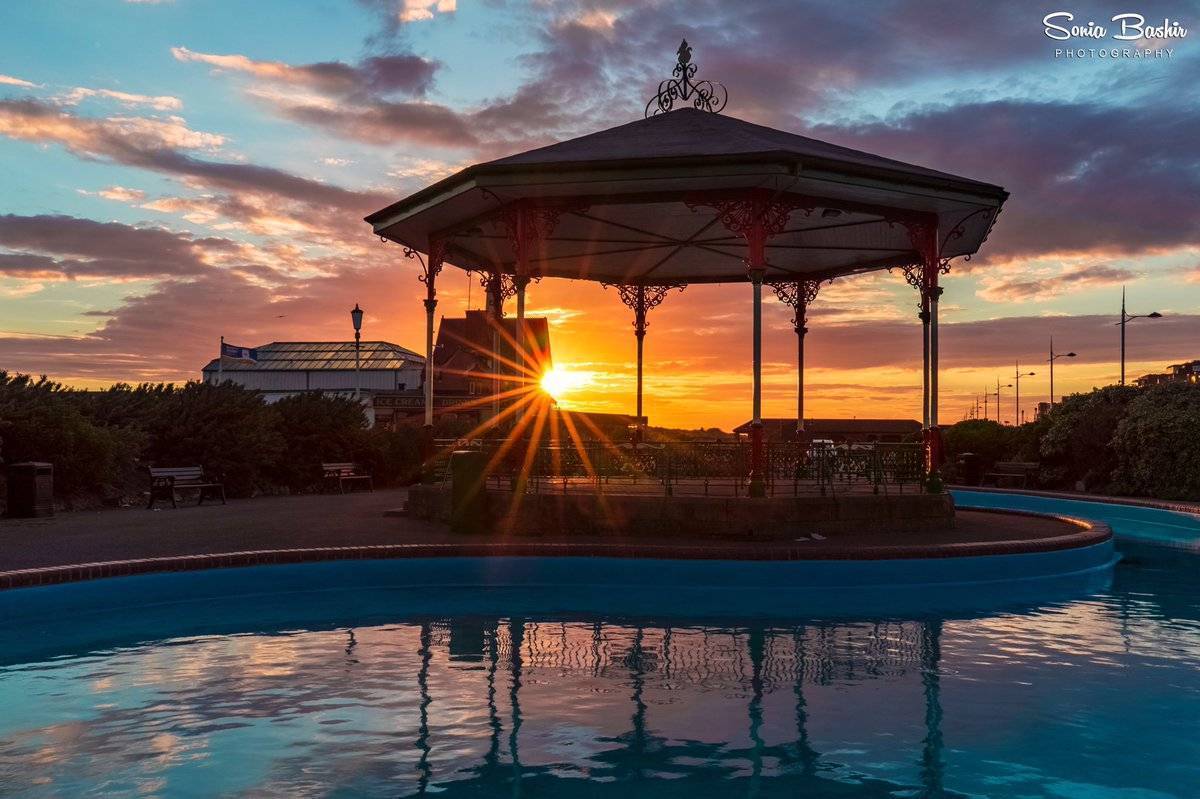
pixel 392 457
pixel 1157 443
pixel 991 441
pixel 40 422
pixel 1077 445
pixel 226 429
pixel 316 428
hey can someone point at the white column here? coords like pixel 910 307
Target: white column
pixel 756 280
pixel 430 305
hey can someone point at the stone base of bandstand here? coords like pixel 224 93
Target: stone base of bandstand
pixel 630 516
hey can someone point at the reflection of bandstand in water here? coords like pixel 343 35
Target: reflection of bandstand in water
pixel 758 660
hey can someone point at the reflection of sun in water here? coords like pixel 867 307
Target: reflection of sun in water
pixel 558 382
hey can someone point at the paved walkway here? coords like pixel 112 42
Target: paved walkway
pixel 357 520
pixel 245 524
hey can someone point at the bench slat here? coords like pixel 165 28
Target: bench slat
pixel 178 471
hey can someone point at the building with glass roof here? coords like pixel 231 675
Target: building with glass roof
pixel 283 368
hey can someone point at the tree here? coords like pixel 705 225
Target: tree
pixel 1157 443
pixel 316 429
pixel 226 429
pixel 39 421
pixel 1077 445
pixel 991 441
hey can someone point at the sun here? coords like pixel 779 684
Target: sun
pixel 558 381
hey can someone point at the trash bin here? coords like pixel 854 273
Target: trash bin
pixel 970 468
pixel 30 490
pixel 468 495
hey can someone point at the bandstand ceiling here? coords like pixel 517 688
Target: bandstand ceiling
pixel 631 205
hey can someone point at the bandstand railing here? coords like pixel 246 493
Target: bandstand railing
pixel 706 468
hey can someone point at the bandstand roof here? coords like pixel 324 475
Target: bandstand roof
pixel 632 205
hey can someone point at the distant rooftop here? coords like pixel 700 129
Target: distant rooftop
pixel 862 426
pixel 321 355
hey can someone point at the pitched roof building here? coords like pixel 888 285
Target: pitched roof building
pixel 839 431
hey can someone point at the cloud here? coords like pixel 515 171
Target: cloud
pixel 69 247
pixel 9 80
pixel 170 331
pixel 1025 287
pixel 161 146
pixel 380 101
pixel 114 137
pixel 387 74
pixel 159 103
pixel 1083 176
pixel 413 10
pixel 122 194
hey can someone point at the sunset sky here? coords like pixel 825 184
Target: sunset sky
pixel 177 171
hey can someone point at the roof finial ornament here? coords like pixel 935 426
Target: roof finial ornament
pixel 704 95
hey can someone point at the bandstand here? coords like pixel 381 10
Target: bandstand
pixel 691 195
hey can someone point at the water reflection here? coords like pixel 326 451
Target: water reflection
pixel 1065 700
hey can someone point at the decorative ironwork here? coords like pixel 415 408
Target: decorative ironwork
pixel 431 268
pixel 498 287
pixel 681 467
pixel 743 216
pixel 527 224
pixel 504 285
pixel 641 299
pixel 913 274
pixel 705 95
pixel 797 295
pixel 756 218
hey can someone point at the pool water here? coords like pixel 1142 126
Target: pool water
pixel 1129 522
pixel 1096 696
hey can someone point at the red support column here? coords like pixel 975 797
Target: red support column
pixel 798 295
pixel 640 299
pixel 923 233
pixel 528 225
pixel 429 272
pixel 495 289
pixel 756 217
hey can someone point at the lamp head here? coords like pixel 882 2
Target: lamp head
pixel 356 315
pixel 1154 315
pixel 1070 355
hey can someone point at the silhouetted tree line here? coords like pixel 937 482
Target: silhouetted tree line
pixel 101 442
pixel 1115 440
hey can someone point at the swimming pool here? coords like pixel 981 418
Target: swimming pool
pixel 1129 522
pixel 371 692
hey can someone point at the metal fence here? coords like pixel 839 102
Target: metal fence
pixel 708 468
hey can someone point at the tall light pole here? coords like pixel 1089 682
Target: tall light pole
pixel 1125 319
pixel 986 395
pixel 1054 357
pixel 1018 375
pixel 1006 385
pixel 356 315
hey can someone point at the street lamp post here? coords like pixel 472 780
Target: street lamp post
pixel 1054 357
pixel 1018 374
pixel 1006 385
pixel 1125 319
pixel 356 315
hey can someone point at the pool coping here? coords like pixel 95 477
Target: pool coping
pixel 1088 533
pixel 1178 506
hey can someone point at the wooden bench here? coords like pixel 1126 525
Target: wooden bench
pixel 345 473
pixel 164 482
pixel 1012 474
